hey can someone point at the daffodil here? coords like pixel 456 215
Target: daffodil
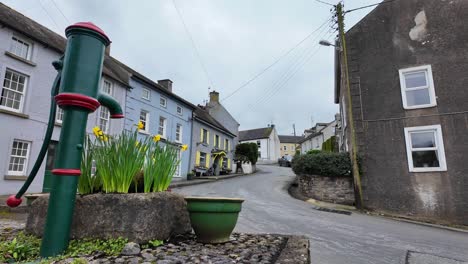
pixel 137 143
pixel 105 138
pixel 96 131
pixel 157 138
pixel 184 147
pixel 140 125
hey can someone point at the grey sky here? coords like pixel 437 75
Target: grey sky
pixel 236 40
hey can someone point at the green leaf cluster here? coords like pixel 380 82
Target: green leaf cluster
pixel 21 248
pixel 323 164
pixel 247 152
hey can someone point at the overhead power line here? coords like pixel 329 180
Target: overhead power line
pixel 276 61
pixel 362 7
pixel 60 10
pixel 325 3
pixel 48 14
pixel 193 44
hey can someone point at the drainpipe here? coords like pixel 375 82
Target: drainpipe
pixel 191 146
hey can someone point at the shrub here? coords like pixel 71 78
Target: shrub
pixel 330 145
pixel 314 151
pixel 323 164
pixel 247 152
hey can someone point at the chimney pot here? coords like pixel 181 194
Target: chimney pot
pixel 166 83
pixel 214 97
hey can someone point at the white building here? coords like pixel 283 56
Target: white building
pixel 267 140
pixel 318 134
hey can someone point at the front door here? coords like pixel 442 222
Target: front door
pixel 51 150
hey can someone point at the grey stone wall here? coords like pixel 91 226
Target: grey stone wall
pixel 327 189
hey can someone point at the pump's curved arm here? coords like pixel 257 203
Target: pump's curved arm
pixel 16 200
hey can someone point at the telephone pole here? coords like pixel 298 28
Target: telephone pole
pixel 294 129
pixel 354 150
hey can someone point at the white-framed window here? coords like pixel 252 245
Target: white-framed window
pixel 162 126
pixel 417 87
pixel 107 87
pixel 18 164
pixel 178 133
pixel 285 148
pixel 104 113
pixel 226 144
pixel 178 172
pixel 292 147
pixel 21 48
pixel 179 110
pixel 425 148
pixel 202 158
pixel 204 135
pixel 259 144
pixel 225 163
pixel 13 91
pixel 163 102
pixel 144 119
pixel 146 94
pixel 216 141
pixel 59 115
pixel 343 112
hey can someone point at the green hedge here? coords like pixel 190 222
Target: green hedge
pixel 323 164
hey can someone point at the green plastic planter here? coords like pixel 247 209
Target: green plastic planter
pixel 213 218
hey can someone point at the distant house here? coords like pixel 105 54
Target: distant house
pixel 212 144
pixel 408 72
pixel 267 140
pixel 27 50
pixel 315 136
pixel 289 144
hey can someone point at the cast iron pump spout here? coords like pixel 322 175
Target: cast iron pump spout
pixel 110 103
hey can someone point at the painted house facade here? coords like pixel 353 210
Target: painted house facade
pixel 408 72
pixel 27 50
pixel 315 136
pixel 289 144
pixel 212 144
pixel 267 141
pixel 162 113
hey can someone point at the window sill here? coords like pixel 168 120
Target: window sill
pixel 58 124
pixel 9 112
pixel 419 107
pixel 15 177
pixel 418 170
pixel 9 54
pixel 143 132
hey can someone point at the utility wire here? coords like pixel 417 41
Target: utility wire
pixel 362 7
pixel 48 14
pixel 193 44
pixel 325 3
pixel 60 10
pixel 276 61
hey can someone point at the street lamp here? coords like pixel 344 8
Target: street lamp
pixel 327 43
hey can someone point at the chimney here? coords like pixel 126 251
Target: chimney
pixel 166 83
pixel 107 51
pixel 214 97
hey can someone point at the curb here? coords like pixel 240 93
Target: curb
pixel 207 179
pixel 327 209
pixel 296 251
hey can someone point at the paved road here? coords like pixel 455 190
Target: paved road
pixel 334 238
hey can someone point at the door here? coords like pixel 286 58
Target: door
pixel 50 160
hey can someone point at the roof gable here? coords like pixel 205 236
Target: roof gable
pixel 258 133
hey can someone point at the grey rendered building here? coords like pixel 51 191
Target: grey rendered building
pixel 27 50
pixel 213 144
pixel 408 65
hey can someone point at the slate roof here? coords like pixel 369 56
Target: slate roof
pixel 255 133
pixel 28 27
pixel 203 115
pixel 309 137
pixel 289 139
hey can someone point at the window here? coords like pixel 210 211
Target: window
pixel 202 158
pixel 20 48
pixel 225 163
pixel 259 145
pixel 204 136
pixel 292 147
pixel 162 126
pixel 19 158
pixel 59 115
pixel 226 144
pixel 178 133
pixel 425 149
pixel 216 141
pixel 259 154
pixel 14 87
pixel 144 119
pixel 145 94
pixel 343 113
pixel 285 148
pixel 179 110
pixel 163 102
pixel 107 87
pixel 177 172
pixel 417 87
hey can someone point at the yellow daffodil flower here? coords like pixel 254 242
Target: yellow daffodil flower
pixel 105 138
pixel 137 143
pixel 96 131
pixel 157 138
pixel 100 133
pixel 140 125
pixel 184 147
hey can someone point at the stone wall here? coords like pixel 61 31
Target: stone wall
pixel 327 189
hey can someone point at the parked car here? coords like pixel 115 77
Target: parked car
pixel 285 161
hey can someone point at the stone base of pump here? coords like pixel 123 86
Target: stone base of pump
pixel 136 216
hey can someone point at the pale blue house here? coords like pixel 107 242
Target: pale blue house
pixel 161 112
